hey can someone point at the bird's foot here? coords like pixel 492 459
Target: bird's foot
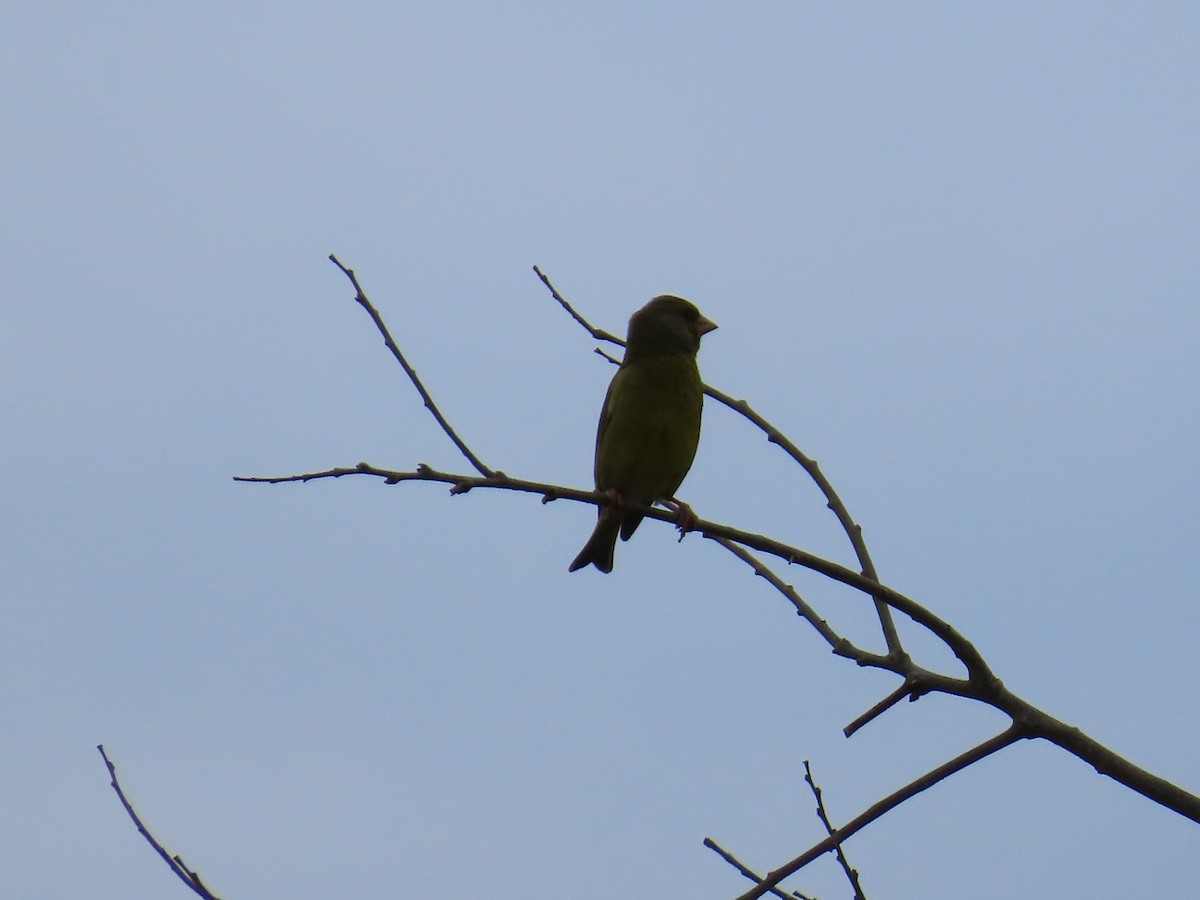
pixel 685 519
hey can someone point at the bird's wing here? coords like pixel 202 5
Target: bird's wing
pixel 606 411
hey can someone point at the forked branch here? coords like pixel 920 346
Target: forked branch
pixel 977 681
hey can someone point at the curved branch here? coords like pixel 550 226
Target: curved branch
pixel 981 684
pixel 980 675
pixel 186 875
pixel 832 501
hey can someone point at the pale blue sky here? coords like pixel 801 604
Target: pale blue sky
pixel 952 252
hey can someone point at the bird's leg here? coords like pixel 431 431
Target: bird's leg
pixel 613 497
pixel 685 519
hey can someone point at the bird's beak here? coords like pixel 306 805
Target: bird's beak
pixel 705 325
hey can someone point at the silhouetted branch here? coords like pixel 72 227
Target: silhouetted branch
pixel 887 804
pixel 908 689
pixel 360 298
pixel 851 873
pixel 186 875
pixel 750 873
pixel 836 642
pixel 977 669
pixel 977 683
pixel 597 333
pixel 980 684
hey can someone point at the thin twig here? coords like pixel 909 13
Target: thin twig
pixel 612 359
pixel 836 642
pixel 851 873
pixel 888 803
pixel 186 875
pixel 597 333
pixel 832 500
pixel 360 297
pixel 917 680
pixel 748 872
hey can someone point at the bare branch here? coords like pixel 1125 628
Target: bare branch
pixel 1106 762
pixel 361 298
pixel 836 642
pixel 908 689
pixel 833 501
pixel 597 333
pixel 186 875
pixel 876 810
pixel 980 675
pixel 980 683
pixel 851 874
pixel 748 872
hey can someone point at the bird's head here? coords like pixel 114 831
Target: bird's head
pixel 666 324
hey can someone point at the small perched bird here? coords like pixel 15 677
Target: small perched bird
pixel 650 423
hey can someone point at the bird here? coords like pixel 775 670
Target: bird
pixel 649 424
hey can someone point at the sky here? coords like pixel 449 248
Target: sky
pixel 951 249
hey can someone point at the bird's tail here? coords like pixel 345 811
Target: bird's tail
pixel 599 549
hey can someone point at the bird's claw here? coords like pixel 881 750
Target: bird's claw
pixel 685 519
